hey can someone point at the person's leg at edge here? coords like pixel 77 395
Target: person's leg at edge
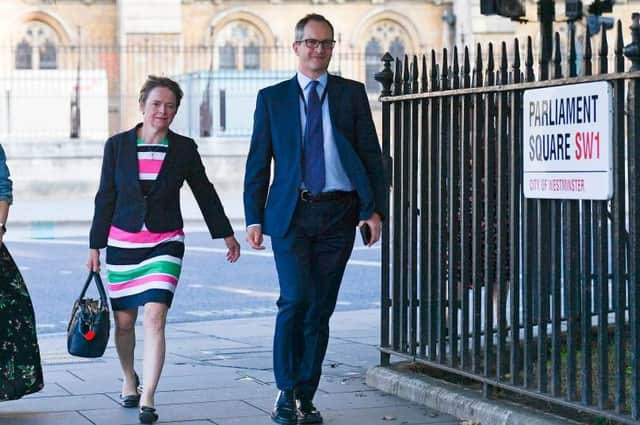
pixel 155 319
pixel 125 340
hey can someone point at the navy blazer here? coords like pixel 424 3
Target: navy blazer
pixel 120 201
pixel 277 135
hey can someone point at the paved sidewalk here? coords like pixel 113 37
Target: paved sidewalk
pixel 218 372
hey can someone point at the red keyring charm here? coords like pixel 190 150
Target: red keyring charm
pixel 89 335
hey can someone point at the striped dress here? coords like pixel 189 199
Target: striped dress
pixel 144 266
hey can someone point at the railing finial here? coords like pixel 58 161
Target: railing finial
pixel 385 77
pixel 632 50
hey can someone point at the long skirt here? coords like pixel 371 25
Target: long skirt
pixel 20 368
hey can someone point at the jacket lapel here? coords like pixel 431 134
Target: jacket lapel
pixel 292 109
pixel 335 97
pixel 130 159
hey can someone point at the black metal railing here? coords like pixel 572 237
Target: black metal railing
pixel 90 91
pixel 534 296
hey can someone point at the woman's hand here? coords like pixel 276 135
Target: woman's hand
pixel 233 249
pixel 93 263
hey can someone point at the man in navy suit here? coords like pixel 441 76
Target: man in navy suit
pixel 317 131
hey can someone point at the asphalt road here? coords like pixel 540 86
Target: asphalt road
pixel 53 265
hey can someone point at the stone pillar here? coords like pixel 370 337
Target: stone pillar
pixel 145 29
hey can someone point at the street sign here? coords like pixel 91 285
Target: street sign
pixel 567 151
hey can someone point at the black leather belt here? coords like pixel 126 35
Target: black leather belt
pixel 307 196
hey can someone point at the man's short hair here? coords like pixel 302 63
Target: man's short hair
pixel 310 17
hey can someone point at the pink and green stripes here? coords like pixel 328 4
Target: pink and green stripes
pixel 143 239
pixel 159 269
pixel 161 272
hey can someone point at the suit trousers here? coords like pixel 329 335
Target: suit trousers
pixel 310 260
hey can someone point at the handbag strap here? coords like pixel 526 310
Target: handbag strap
pixel 95 277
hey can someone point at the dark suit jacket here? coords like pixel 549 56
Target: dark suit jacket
pixel 120 201
pixel 277 135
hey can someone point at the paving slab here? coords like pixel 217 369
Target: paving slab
pixel 237 393
pixel 343 384
pixel 195 422
pixel 263 376
pixel 51 389
pixel 176 413
pixel 55 404
pixel 340 401
pixel 195 382
pixel 253 362
pixel 37 418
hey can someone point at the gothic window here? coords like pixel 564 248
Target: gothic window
pixel 23 55
pixel 48 55
pixel 372 54
pixel 240 37
pixel 252 57
pixel 384 36
pixel 228 57
pixel 37 48
pixel 396 49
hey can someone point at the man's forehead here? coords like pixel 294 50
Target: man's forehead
pixel 316 26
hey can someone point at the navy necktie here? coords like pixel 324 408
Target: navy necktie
pixel 313 159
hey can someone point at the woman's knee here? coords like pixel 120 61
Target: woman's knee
pixel 125 321
pixel 155 317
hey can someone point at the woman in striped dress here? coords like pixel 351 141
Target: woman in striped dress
pixel 137 218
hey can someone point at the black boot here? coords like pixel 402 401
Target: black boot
pixel 284 411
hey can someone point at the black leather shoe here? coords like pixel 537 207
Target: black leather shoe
pixel 284 411
pixel 132 400
pixel 147 415
pixel 307 412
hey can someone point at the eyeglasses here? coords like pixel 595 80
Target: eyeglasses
pixel 312 43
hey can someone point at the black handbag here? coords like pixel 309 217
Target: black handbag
pixel 88 330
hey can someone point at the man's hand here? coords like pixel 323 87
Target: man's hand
pixel 233 248
pixel 375 224
pixel 254 237
pixel 93 263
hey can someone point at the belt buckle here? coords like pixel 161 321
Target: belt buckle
pixel 306 196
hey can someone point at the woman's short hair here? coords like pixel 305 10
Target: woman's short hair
pixel 154 81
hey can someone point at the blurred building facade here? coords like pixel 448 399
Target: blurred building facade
pixel 72 68
pixel 80 63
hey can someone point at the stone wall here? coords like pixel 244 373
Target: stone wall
pixel 63 169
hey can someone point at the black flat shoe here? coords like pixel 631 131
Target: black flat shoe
pixel 131 400
pixel 147 415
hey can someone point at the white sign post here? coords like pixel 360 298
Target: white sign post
pixel 567 144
